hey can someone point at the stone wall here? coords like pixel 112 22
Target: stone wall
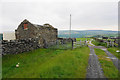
pixel 24 45
pixel 20 46
pixel 47 33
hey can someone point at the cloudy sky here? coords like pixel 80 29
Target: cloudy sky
pixel 86 14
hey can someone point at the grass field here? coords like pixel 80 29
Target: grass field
pixel 62 46
pixel 96 43
pixel 82 39
pixel 113 51
pixel 110 71
pixel 47 63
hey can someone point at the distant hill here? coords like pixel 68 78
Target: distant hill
pixel 87 33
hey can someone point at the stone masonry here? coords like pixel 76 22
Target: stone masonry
pixel 29 37
pixel 28 30
pixel 19 46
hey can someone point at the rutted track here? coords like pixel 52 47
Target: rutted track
pixel 114 59
pixel 94 69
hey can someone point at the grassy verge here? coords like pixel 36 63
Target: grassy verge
pixel 113 51
pixel 110 71
pixel 47 63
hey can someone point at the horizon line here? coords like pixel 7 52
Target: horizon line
pixel 71 30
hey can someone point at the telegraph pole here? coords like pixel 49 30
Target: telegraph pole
pixel 70 27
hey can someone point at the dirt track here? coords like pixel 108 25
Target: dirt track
pixel 94 69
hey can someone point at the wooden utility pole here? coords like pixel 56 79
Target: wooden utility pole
pixel 70 27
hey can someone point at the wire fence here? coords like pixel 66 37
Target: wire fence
pixel 60 44
pixel 66 44
pixel 80 44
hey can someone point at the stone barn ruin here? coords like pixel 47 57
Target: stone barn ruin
pixel 45 33
pixel 30 36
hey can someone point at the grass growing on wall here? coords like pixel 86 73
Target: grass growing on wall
pixel 47 63
pixel 110 71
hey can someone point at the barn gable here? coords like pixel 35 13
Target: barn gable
pixel 28 30
pixel 25 30
pixel 25 24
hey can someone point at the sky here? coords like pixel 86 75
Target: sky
pixel 86 14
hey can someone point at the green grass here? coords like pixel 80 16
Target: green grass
pixel 0 67
pixel 110 71
pixel 113 51
pixel 62 46
pixel 47 63
pixel 82 39
pixel 96 43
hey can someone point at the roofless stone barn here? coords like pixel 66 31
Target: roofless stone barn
pixel 30 36
pixel 44 32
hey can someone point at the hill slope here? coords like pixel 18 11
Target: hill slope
pixel 86 33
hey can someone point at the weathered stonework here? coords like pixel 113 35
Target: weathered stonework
pixel 20 46
pixel 29 37
pixel 46 31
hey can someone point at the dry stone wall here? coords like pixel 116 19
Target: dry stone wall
pixel 20 46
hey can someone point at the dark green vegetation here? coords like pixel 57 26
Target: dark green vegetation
pixel 113 51
pixel 47 63
pixel 110 71
pixel 87 33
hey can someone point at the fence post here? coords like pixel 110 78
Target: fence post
pixel 86 42
pixel 119 40
pixel 107 44
pixel 72 44
pixel 57 43
pixel 80 42
pixel 110 43
pixel 113 44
